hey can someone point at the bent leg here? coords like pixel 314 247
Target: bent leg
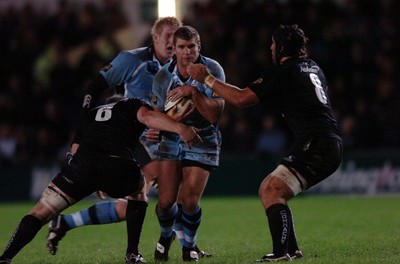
pixel 275 191
pixel 52 202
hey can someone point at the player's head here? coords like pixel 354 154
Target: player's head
pixel 114 98
pixel 187 45
pixel 187 33
pixel 288 41
pixel 162 34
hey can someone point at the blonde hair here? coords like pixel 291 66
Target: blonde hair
pixel 165 21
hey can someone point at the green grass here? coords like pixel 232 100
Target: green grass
pixel 330 229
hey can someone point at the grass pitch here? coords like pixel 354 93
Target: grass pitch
pixel 330 229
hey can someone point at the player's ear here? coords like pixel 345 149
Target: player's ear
pixel 156 37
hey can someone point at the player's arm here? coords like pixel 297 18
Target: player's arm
pixel 231 93
pixel 209 108
pixel 161 121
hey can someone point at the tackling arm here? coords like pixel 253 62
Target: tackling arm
pixel 231 93
pixel 160 121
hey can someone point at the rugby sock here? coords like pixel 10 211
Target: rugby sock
pixel 293 246
pixel 178 227
pixel 135 214
pixel 280 223
pixel 191 223
pixel 167 220
pixel 23 234
pixel 98 214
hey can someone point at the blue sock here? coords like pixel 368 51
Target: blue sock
pixel 98 214
pixel 167 221
pixel 191 223
pixel 178 227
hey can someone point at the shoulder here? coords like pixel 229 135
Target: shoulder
pixel 163 74
pixel 209 62
pixel 214 67
pixel 137 102
pixel 142 53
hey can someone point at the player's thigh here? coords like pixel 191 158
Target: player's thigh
pixel 169 180
pixel 194 181
pixel 150 170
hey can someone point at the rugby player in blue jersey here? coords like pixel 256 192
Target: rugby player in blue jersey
pixel 184 171
pixel 135 69
pixel 297 86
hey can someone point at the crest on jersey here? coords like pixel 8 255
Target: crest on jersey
pixel 107 67
pixel 153 99
pixel 259 80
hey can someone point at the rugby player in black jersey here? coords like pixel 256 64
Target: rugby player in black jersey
pixel 297 86
pixel 107 136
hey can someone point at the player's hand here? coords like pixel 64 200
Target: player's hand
pixel 152 135
pixel 189 135
pixel 198 71
pixel 102 195
pixel 183 113
pixel 180 91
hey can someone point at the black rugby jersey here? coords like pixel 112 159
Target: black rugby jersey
pixel 113 129
pixel 299 88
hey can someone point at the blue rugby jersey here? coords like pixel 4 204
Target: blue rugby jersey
pixel 168 78
pixel 135 69
pixel 171 146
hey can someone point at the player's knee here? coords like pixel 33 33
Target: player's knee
pixel 52 201
pixel 165 204
pixel 190 203
pixel 270 190
pixel 120 208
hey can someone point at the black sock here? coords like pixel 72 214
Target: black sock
pixel 280 223
pixel 293 246
pixel 135 214
pixel 23 234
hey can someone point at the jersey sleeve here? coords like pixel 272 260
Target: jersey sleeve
pixel 261 87
pixel 218 72
pixel 120 69
pixel 161 83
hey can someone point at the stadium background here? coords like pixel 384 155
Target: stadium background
pixel 50 49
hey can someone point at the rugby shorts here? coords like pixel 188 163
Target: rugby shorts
pixel 89 171
pixel 205 154
pixel 146 151
pixel 314 158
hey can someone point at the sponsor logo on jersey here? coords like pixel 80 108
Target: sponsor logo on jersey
pixel 86 101
pixel 313 69
pixel 259 80
pixel 107 67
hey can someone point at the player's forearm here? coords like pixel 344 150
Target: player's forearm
pixel 231 93
pixel 160 121
pixel 209 108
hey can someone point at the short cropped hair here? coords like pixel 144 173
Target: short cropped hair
pixel 187 33
pixel 114 98
pixel 290 41
pixel 165 21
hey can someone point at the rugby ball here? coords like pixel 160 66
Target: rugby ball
pixel 175 106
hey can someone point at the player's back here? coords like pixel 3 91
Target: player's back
pixel 113 129
pixel 303 98
pixel 135 69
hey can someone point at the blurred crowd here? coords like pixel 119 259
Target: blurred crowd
pixel 48 59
